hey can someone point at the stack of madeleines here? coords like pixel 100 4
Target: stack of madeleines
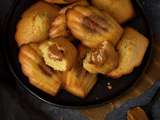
pixel 66 47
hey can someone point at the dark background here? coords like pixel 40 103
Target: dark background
pixel 15 106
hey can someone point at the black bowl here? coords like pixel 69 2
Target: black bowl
pixel 100 94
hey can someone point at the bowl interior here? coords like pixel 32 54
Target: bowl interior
pixel 99 93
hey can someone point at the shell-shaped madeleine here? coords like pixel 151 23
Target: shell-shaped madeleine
pixel 59 53
pixel 39 74
pixel 35 23
pixel 59 25
pixel 102 59
pixel 92 27
pixel 131 49
pixel 121 10
pixel 78 81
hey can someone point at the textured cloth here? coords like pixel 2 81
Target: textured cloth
pixel 145 99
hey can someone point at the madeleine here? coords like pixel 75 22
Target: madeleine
pixel 39 74
pixel 91 26
pixel 131 49
pixel 35 23
pixel 59 53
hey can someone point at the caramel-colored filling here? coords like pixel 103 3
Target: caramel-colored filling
pixel 55 52
pixel 99 55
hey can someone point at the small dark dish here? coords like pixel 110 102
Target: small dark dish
pixel 99 94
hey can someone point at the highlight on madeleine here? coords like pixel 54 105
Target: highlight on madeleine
pixel 102 59
pixel 61 1
pixel 131 48
pixel 121 10
pixel 35 23
pixel 59 53
pixel 92 27
pixel 78 81
pixel 39 74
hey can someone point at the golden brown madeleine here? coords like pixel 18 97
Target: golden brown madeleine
pixel 59 53
pixel 59 25
pixel 102 59
pixel 61 1
pixel 78 81
pixel 121 10
pixel 92 27
pixel 35 23
pixel 39 74
pixel 136 114
pixel 131 48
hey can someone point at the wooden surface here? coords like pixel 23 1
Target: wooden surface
pixel 143 83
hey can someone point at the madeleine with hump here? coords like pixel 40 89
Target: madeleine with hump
pixel 39 74
pixel 35 23
pixel 121 10
pixel 92 27
pixel 59 53
pixel 102 59
pixel 78 81
pixel 131 49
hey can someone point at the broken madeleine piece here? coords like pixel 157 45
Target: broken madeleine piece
pixel 92 27
pixel 78 81
pixel 59 25
pixel 131 49
pixel 39 74
pixel 102 59
pixel 121 10
pixel 136 113
pixel 61 1
pixel 59 53
pixel 35 23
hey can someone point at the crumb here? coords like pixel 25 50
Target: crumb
pixel 109 86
